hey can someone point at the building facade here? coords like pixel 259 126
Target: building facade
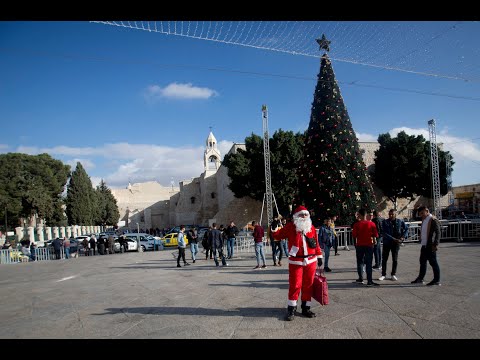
pixel 467 198
pixel 207 199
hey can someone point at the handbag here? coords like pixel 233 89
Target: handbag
pixel 320 288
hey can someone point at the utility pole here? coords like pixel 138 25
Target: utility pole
pixel 437 210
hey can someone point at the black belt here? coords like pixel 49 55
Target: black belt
pixel 302 256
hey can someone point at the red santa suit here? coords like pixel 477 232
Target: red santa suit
pixel 302 261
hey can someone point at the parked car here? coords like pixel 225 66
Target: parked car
pixel 147 241
pixel 132 245
pixel 172 239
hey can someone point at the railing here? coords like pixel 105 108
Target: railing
pixel 456 230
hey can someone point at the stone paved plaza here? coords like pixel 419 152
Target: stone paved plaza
pixel 144 295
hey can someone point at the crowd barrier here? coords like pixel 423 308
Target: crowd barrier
pixel 452 230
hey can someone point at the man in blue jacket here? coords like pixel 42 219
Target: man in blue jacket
pixel 394 232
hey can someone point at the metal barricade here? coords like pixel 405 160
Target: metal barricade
pixel 6 257
pixel 344 237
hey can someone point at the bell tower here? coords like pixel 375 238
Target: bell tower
pixel 211 155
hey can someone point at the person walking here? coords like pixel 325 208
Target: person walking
pixel 394 232
pixel 231 232
pixel 326 237
pixel 377 248
pixel 284 243
pixel 333 218
pixel 181 247
pixel 192 237
pixel 365 234
pixel 216 239
pixel 111 244
pixel 66 247
pixel 304 256
pixel 258 235
pixel 93 243
pixel 86 249
pixel 429 239
pixel 208 243
pixel 275 244
pixel 57 245
pixel 32 251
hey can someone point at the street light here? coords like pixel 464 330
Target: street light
pixel 138 238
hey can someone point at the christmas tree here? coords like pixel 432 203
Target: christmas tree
pixel 332 176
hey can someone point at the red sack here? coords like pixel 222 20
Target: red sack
pixel 320 289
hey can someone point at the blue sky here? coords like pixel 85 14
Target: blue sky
pixel 134 105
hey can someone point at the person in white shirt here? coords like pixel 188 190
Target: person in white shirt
pixel 429 239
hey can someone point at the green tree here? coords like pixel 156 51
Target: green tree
pixel 332 176
pixel 108 213
pixel 32 185
pixel 81 204
pixel 246 167
pixel 404 169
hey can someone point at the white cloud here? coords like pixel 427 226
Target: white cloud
pixel 86 163
pixel 178 91
pixel 3 148
pixel 120 163
pixel 466 154
pixel 224 147
pixel 95 181
pixel 364 137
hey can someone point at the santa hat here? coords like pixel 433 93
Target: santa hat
pixel 300 210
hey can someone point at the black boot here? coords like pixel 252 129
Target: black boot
pixel 306 310
pixel 290 313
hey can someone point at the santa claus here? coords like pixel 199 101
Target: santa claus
pixel 304 254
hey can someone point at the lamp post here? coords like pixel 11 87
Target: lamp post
pixel 138 238
pixel 6 227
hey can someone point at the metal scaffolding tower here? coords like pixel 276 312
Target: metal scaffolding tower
pixel 449 180
pixel 268 196
pixel 437 210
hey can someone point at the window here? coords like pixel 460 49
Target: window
pixel 213 195
pixel 192 199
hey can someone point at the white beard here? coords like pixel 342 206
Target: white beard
pixel 302 224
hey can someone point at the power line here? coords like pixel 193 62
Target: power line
pixel 245 72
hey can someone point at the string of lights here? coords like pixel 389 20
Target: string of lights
pixel 411 47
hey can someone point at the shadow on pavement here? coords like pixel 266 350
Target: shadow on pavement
pixel 244 312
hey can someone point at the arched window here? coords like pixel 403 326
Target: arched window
pixel 213 195
pixel 192 199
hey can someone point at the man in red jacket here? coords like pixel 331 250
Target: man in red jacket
pixel 365 233
pixel 304 254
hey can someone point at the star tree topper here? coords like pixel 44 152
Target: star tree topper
pixel 324 43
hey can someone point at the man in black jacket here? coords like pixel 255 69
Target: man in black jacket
pixel 429 239
pixel 192 237
pixel 216 239
pixel 231 231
